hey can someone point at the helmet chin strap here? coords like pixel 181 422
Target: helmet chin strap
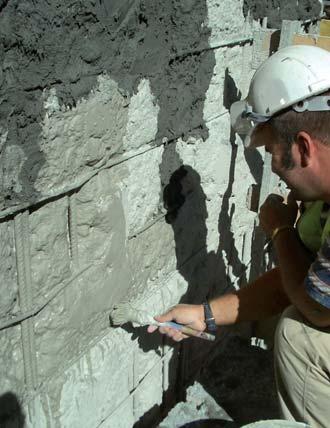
pixel 248 113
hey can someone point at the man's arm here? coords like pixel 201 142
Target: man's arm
pixel 294 266
pixel 293 260
pixel 259 300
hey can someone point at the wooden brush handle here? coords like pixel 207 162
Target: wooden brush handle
pixel 197 333
pixel 189 331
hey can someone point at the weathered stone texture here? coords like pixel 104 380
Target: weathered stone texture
pixel 149 393
pixel 152 255
pixel 78 315
pixel 225 18
pixel 142 118
pixel 77 141
pixel 8 275
pixel 117 419
pixel 93 387
pixel 49 247
pixel 11 367
pixel 101 228
pixel 278 10
pixel 140 186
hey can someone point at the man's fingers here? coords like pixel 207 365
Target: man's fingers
pixel 152 328
pixel 273 197
pixel 192 315
pixel 291 201
pixel 176 335
pixel 168 316
pixel 166 330
pixel 291 198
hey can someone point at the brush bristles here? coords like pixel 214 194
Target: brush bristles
pixel 125 312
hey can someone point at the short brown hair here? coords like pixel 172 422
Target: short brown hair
pixel 288 123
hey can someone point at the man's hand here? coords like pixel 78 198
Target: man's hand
pixel 275 212
pixel 190 315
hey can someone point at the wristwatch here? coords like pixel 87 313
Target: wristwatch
pixel 209 318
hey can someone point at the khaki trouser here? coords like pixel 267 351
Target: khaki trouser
pixel 302 369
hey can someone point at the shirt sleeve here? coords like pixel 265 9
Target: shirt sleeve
pixel 317 281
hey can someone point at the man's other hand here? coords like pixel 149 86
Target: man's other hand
pixel 276 212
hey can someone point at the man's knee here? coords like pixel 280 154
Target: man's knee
pixel 288 336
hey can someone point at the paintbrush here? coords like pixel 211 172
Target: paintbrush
pixel 125 312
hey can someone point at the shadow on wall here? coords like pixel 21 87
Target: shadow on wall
pixel 205 272
pixel 278 10
pixel 11 415
pixel 185 201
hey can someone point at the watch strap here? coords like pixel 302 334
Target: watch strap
pixel 209 318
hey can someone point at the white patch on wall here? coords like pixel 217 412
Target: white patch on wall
pixel 161 292
pixel 231 70
pixel 142 117
pixel 141 189
pixel 213 106
pixel 199 405
pixel 3 138
pixel 77 141
pixel 225 18
pixel 211 160
pixel 51 103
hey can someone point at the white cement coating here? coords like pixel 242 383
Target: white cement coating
pixel 88 145
pixel 198 406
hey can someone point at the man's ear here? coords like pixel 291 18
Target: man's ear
pixel 305 148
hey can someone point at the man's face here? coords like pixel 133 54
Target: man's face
pixel 298 179
pixel 288 175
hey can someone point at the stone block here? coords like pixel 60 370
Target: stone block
pixel 147 354
pixel 8 273
pixel 171 374
pixel 122 417
pixel 96 385
pixel 76 317
pixel 51 263
pixel 142 123
pixel 222 193
pixel 148 395
pixel 150 254
pixel 140 185
pixel 80 313
pixel 231 71
pixel 161 293
pixel 11 362
pixel 101 229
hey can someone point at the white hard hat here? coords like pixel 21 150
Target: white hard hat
pixel 291 75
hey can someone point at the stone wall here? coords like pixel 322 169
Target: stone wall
pixel 121 181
